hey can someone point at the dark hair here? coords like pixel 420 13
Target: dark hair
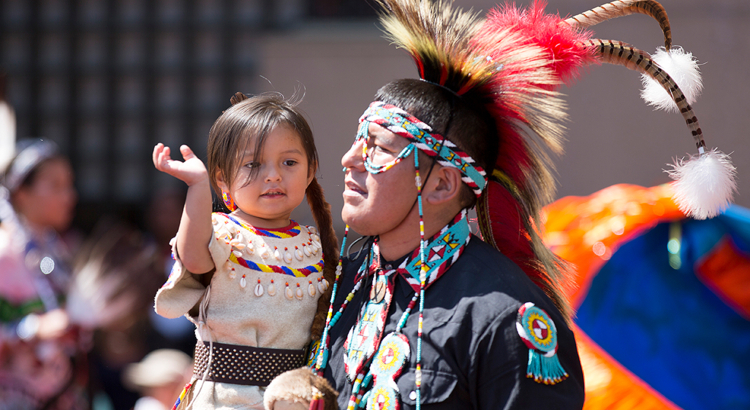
pixel 252 119
pixel 461 119
pixel 31 154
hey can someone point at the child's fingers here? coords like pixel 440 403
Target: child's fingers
pixel 162 158
pixel 155 154
pixel 187 153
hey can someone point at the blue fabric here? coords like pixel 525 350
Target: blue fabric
pixel 665 325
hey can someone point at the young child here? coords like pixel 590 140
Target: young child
pixel 250 280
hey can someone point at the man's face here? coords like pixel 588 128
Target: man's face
pixel 375 204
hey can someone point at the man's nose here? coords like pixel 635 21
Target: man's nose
pixel 353 157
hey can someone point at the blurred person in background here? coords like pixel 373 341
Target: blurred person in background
pixel 38 347
pixel 159 378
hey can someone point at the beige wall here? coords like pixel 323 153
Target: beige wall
pixel 613 136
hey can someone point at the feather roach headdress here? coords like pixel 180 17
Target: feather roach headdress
pixel 511 63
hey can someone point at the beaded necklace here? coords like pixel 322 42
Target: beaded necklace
pixel 393 350
pixel 438 255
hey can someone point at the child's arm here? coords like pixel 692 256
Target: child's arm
pixel 195 230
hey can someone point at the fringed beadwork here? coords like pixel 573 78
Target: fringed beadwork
pixel 539 333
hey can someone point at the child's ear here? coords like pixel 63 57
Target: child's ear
pixel 310 175
pixel 220 181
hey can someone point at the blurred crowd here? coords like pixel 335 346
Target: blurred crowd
pixel 77 326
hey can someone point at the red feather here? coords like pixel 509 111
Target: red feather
pixel 547 31
pixel 509 232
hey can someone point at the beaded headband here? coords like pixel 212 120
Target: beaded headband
pixel 401 123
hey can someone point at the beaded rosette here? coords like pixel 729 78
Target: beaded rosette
pixel 538 332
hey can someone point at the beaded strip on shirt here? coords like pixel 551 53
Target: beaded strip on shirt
pixel 299 273
pixel 289 232
pixel 446 246
pixel 401 123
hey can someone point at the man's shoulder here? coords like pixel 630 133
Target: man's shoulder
pixel 486 285
pixel 483 269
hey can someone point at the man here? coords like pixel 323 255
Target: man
pixel 427 314
pixel 430 315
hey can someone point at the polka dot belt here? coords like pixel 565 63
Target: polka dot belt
pixel 245 365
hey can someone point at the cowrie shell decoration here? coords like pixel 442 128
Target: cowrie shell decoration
pixel 311 289
pixel 322 285
pixel 288 292
pixel 287 257
pixel 265 253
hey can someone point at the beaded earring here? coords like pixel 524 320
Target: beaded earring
pixel 228 201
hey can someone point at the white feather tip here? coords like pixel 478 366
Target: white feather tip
pixel 705 184
pixel 684 70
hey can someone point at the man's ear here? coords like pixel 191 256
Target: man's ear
pixel 444 185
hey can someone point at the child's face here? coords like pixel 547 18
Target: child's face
pixel 280 184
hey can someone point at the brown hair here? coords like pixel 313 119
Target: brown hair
pixel 252 119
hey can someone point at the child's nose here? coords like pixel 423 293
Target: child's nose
pixel 273 174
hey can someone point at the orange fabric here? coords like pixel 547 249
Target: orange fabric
pixel 727 273
pixel 585 231
pixel 609 385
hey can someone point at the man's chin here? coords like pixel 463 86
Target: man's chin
pixel 350 217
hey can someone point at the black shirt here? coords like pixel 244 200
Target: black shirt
pixel 472 355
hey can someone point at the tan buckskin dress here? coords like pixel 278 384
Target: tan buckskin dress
pixel 264 293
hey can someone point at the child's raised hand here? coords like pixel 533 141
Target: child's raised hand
pixel 191 171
